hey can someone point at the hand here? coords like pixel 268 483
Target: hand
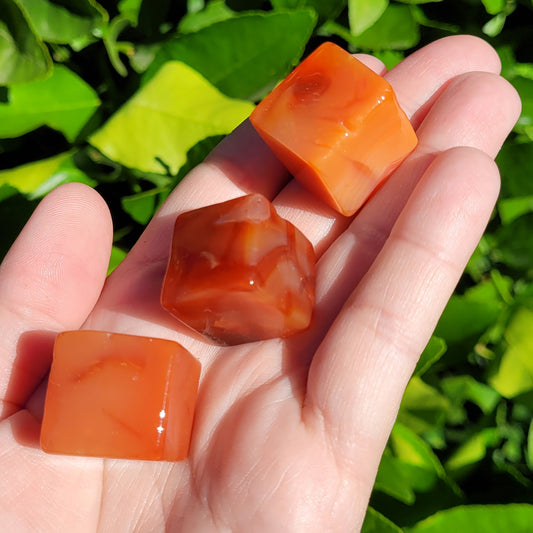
pixel 288 434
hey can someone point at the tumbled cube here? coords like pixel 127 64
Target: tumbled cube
pixel 337 127
pixel 238 272
pixel 119 396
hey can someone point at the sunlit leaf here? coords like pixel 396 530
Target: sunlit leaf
pixel 56 23
pixel 130 9
pixel 63 101
pixel 434 350
pixel 117 256
pixel 215 11
pixel 512 208
pixel 396 29
pixel 417 458
pixel 363 13
pixel 472 451
pixel 326 9
pixel 494 6
pixel 23 57
pixel 464 318
pixel 393 481
pixel 423 407
pixel 246 55
pixel 515 373
pixel 39 177
pixel 164 119
pixel 459 389
pixel 495 25
pixel 515 518
pixel 26 178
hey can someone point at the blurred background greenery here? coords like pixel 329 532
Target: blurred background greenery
pixel 127 96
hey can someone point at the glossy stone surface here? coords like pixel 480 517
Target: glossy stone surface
pixel 238 272
pixel 120 396
pixel 337 127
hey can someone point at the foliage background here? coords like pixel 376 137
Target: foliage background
pixel 127 96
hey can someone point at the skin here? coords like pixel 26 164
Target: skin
pixel 288 434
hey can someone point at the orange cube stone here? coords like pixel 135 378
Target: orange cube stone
pixel 238 272
pixel 119 396
pixel 337 127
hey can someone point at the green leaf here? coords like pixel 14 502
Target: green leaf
pixel 513 244
pixel 458 389
pixel 130 10
pixel 529 449
pixel 215 11
pixel 326 9
pixel 117 256
pixel 514 161
pixel 409 447
pixel 364 13
pixel 23 56
pixel 396 29
pixel 415 2
pixel 524 87
pixel 464 318
pixel 418 461
pixel 471 451
pixel 26 178
pixel 495 25
pixel 390 57
pixel 494 6
pixel 38 178
pixel 244 56
pixel 515 518
pixel 515 373
pixel 423 408
pixel 512 208
pixel 142 206
pixel 165 118
pixel 393 481
pixel 434 350
pixel 377 523
pixel 55 23
pixel 63 101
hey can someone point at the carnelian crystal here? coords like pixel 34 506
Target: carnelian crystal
pixel 337 127
pixel 119 396
pixel 238 272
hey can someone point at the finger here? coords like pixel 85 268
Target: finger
pixel 476 109
pixel 49 281
pixel 417 81
pixel 443 59
pixel 361 369
pixel 483 99
pixel 241 164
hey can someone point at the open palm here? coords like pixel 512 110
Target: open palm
pixel 289 433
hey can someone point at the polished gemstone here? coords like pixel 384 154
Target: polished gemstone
pixel 120 396
pixel 238 272
pixel 337 127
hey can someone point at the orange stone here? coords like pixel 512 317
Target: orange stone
pixel 238 272
pixel 337 127
pixel 120 396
